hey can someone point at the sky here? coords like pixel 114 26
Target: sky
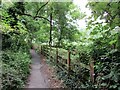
pixel 82 4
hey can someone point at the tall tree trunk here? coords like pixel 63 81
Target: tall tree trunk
pixel 50 42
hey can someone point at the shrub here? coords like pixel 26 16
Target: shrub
pixel 15 69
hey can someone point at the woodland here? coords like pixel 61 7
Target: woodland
pixel 51 25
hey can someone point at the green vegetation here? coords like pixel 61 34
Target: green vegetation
pixel 15 69
pixel 54 24
pixel 15 59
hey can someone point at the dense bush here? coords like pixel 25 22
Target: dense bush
pixel 107 70
pixel 15 69
pixel 15 48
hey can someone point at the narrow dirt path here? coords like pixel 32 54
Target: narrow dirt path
pixel 36 79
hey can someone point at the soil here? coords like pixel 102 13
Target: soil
pixel 49 73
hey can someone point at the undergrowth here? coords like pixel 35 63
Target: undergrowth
pixel 15 69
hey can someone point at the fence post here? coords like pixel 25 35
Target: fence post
pixel 56 54
pixel 69 60
pixel 92 70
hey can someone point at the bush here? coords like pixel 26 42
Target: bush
pixel 15 69
pixel 107 69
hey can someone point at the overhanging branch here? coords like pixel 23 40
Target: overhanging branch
pixel 37 16
pixel 41 8
pixel 34 17
pixel 42 18
pixel 25 14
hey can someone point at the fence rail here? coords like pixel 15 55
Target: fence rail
pixel 65 63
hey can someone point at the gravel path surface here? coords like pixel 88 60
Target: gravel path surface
pixel 36 79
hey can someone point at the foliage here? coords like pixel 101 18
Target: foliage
pixel 99 42
pixel 24 23
pixel 105 48
pixel 15 69
pixel 15 50
pixel 63 15
pixel 107 75
pixel 109 11
pixel 75 80
pixel 16 37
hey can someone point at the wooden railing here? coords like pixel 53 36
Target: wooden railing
pixel 65 63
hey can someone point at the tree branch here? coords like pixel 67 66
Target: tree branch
pixel 34 17
pixel 25 14
pixel 42 18
pixel 41 8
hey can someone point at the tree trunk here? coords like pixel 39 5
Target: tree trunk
pixel 50 42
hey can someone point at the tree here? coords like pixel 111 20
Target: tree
pixel 109 13
pixel 60 16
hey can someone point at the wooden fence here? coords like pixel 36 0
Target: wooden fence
pixel 65 63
